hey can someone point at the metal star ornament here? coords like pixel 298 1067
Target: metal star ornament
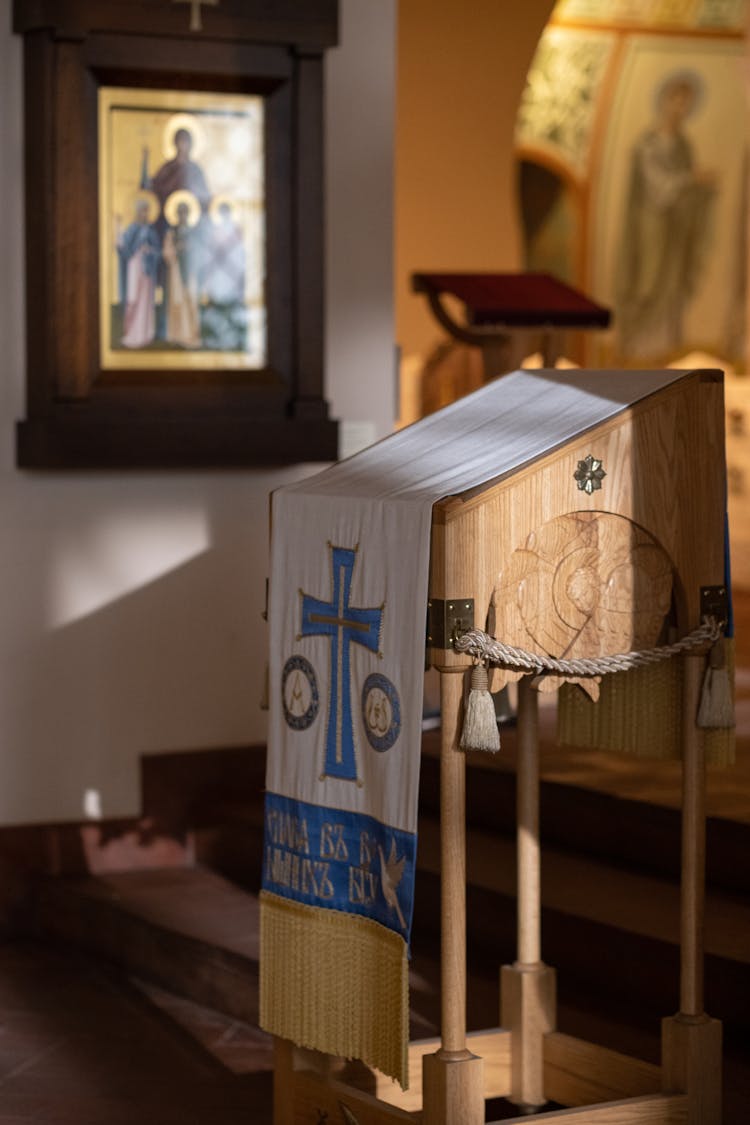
pixel 589 475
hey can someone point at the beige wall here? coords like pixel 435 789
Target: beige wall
pixel 461 71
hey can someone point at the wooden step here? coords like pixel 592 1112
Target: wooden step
pixel 192 933
pixel 187 930
pixel 631 832
pixel 610 932
pixel 609 885
pixel 590 889
pixel 225 821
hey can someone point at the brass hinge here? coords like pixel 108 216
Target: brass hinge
pixel 447 620
pixel 715 603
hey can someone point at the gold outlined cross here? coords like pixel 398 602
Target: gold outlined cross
pixel 196 23
pixel 345 625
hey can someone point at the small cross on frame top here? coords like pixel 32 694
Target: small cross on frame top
pixel 196 23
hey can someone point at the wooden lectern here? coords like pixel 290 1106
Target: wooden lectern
pixel 503 310
pixel 599 514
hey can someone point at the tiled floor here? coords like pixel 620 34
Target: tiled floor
pixel 78 1046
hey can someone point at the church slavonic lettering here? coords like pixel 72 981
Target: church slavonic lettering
pixel 368 849
pixel 363 886
pixel 315 879
pixel 306 876
pixel 288 831
pixel 332 842
pixel 283 867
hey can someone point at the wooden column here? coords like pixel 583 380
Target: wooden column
pixel 453 1085
pixel 527 988
pixel 551 346
pixel 527 813
pixel 283 1082
pixel 691 1040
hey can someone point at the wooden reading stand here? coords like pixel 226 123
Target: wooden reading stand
pixel 665 466
pixel 503 309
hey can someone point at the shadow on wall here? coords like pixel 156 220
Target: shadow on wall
pixel 98 673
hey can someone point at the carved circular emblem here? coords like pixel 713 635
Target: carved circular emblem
pixel 381 712
pixel 299 693
pixel 585 584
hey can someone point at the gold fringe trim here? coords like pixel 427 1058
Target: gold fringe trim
pixel 638 713
pixel 335 982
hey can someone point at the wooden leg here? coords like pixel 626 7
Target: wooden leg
pixel 691 1064
pixel 527 988
pixel 529 933
pixel 552 347
pixel 283 1082
pixel 497 356
pixel 452 1078
pixel 691 1040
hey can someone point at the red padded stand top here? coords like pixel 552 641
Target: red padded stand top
pixel 516 299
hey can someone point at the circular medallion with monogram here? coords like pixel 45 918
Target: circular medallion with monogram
pixel 381 712
pixel 299 693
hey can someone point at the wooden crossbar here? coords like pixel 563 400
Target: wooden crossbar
pixel 317 1098
pixel 492 1045
pixel 576 1073
pixel 579 1073
pixel 654 1109
pixel 316 1095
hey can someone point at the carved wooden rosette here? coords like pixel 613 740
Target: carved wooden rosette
pixel 584 585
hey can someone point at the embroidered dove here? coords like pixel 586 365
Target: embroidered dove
pixel 390 877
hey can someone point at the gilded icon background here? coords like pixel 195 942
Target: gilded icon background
pixel 181 229
pixel 633 174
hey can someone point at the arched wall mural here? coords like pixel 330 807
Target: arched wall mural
pixel 631 147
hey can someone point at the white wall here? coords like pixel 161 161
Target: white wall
pixel 130 603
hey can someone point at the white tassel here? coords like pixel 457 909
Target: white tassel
pixel 716 710
pixel 480 723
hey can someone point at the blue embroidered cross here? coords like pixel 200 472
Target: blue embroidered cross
pixel 345 625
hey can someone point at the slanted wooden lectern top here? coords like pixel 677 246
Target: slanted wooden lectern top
pixel 645 485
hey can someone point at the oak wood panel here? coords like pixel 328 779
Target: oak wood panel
pixel 580 1073
pixel 664 459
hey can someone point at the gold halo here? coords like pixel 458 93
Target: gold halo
pixel 174 200
pixel 153 204
pixel 216 203
pixel 183 121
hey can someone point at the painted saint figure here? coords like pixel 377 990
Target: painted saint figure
pixel 224 273
pixel 179 251
pixel 181 173
pixel 138 250
pixel 666 227
pixel 222 279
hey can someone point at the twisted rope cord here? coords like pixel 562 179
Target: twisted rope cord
pixel 485 648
